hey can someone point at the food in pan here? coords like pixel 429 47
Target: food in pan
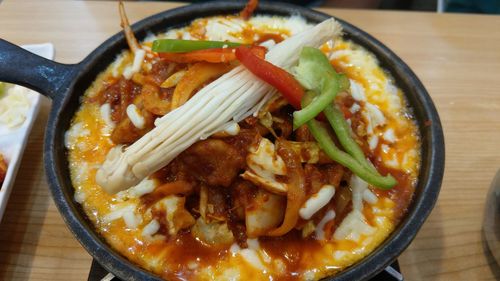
pixel 244 147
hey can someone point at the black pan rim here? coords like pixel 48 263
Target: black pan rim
pixel 430 179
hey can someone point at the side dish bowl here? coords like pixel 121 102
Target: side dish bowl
pixel 65 84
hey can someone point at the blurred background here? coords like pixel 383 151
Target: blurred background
pixel 459 6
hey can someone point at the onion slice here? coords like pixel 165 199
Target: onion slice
pixel 296 188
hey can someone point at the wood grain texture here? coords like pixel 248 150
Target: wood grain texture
pixel 456 56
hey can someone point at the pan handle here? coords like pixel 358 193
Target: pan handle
pixel 24 68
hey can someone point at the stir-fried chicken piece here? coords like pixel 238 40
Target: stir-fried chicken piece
pixel 213 161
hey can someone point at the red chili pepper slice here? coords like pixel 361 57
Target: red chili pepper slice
pixel 273 75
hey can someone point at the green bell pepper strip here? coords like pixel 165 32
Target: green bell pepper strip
pixel 361 169
pixel 336 119
pixel 182 46
pixel 312 68
pixel 346 160
pixel 318 104
pixel 315 72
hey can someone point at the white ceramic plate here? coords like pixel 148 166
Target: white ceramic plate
pixel 13 141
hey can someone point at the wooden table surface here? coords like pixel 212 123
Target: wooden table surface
pixel 456 56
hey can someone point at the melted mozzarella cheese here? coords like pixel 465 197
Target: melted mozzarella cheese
pixel 135 116
pixel 317 201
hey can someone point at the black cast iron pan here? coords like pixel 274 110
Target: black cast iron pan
pixel 64 84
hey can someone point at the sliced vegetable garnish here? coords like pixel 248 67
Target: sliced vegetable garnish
pixel 181 46
pixel 312 67
pixel 210 55
pixel 273 75
pixel 318 104
pixel 342 130
pixel 370 175
pixel 315 72
pixel 328 146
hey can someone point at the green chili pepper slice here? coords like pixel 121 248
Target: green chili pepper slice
pixel 361 168
pixel 344 159
pixel 182 46
pixel 318 104
pixel 343 132
pixel 315 72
